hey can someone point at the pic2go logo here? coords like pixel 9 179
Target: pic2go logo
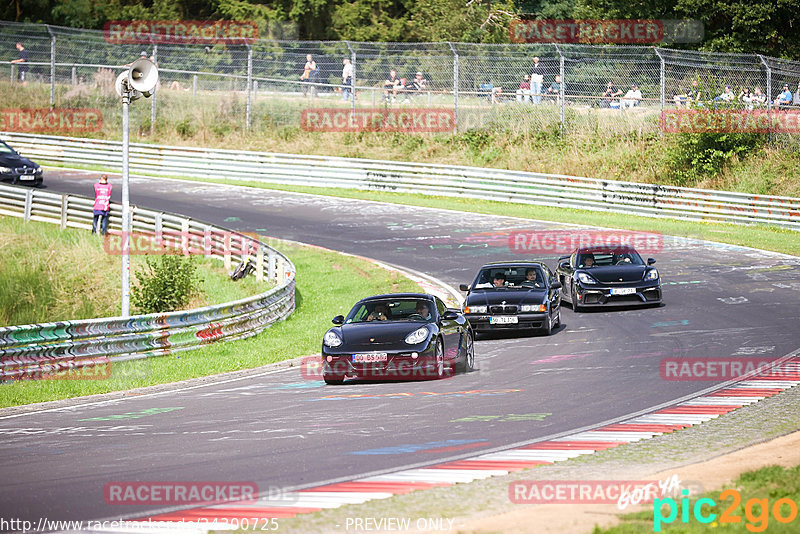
pixel 756 511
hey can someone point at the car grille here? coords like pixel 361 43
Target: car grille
pixel 498 308
pixel 24 170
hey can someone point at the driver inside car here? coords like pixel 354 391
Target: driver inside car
pixel 422 309
pixel 588 260
pixel 380 313
pixel 532 279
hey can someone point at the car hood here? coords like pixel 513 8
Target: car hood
pixel 384 333
pixel 617 273
pixel 510 296
pixel 15 160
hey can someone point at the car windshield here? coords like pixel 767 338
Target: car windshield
pixel 514 276
pixel 605 257
pixel 5 149
pixel 408 309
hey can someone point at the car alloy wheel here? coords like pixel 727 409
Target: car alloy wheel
pixel 439 352
pixel 469 354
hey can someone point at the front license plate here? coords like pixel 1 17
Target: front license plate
pixel 504 319
pixel 26 177
pixel 623 291
pixel 370 357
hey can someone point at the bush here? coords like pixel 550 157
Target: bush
pixel 704 155
pixel 165 284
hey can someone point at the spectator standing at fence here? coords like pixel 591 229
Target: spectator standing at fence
pixel 102 205
pixel 632 98
pixel 537 78
pixel 347 78
pixel 785 98
pixel 608 96
pixel 796 99
pixel 692 95
pixel 22 61
pixel 310 73
pixel 524 91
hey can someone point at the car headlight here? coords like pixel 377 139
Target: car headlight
pixel 5 169
pixel 533 308
pixel 475 309
pixel 586 279
pixel 651 275
pixel 331 339
pixel 417 336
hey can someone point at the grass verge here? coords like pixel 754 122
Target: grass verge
pixel 327 284
pixel 49 274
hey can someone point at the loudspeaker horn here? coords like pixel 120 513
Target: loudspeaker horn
pixel 143 76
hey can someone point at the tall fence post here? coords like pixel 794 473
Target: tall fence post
pixel 154 95
pixel 249 85
pixel 455 87
pixel 352 78
pixel 663 85
pixel 769 96
pixel 561 90
pixel 194 85
pixel 52 66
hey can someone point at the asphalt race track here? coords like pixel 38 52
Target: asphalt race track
pixel 281 430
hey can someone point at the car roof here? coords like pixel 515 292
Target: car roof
pixel 595 248
pixel 399 296
pixel 513 264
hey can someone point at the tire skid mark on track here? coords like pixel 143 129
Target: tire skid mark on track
pixel 666 420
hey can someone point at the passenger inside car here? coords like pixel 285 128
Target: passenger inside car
pixel 587 261
pixel 380 313
pixel 532 279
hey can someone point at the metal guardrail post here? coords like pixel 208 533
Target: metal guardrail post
pixel 249 85
pixel 769 96
pixel 352 78
pixel 226 248
pixel 561 88
pixel 64 209
pixel 52 66
pixel 455 87
pixel 28 205
pixel 663 83
pixel 259 263
pixel 154 96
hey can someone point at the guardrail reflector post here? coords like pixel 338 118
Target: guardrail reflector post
pixel 227 250
pixel 185 237
pixel 259 264
pixel 64 206
pixel 28 204
pixel 281 274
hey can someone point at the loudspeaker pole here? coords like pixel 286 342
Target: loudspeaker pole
pixel 126 211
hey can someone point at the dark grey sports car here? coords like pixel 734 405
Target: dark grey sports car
pixel 513 296
pixel 601 276
pixel 404 336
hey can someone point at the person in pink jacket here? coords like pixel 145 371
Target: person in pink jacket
pixel 102 204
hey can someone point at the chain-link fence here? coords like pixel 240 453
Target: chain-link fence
pixel 573 89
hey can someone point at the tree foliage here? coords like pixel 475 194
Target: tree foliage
pixel 770 27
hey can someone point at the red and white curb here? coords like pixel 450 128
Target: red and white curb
pixel 663 421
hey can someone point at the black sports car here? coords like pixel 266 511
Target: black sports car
pixel 608 276
pixel 18 169
pixel 404 336
pixel 513 295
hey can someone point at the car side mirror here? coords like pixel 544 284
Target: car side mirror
pixel 564 265
pixel 651 261
pixel 339 319
pixel 449 315
pixel 555 285
pixel 463 287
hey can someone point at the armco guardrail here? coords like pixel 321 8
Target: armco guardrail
pixel 31 351
pixel 448 180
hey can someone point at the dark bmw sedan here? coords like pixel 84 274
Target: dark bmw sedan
pixel 513 296
pixel 403 336
pixel 17 169
pixel 608 276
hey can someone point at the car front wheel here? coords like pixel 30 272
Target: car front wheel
pixel 469 355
